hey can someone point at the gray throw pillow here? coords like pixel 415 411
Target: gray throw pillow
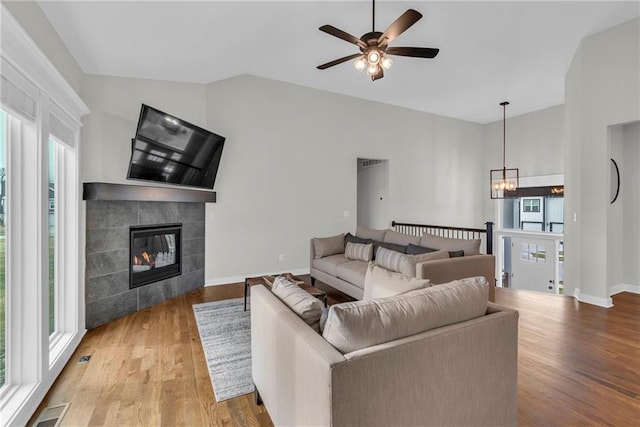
pixel 355 239
pixel 416 250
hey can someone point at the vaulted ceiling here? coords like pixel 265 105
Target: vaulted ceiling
pixel 489 51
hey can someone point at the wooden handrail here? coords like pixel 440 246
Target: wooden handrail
pixel 450 231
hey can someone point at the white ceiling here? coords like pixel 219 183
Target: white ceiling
pixel 489 51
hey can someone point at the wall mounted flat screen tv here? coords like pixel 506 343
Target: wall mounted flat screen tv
pixel 170 150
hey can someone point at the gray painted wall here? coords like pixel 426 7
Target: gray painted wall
pixel 602 89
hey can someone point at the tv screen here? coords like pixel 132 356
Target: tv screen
pixel 170 150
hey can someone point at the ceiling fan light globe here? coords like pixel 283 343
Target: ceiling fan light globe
pixel 373 57
pixel 386 62
pixel 372 69
pixel 360 63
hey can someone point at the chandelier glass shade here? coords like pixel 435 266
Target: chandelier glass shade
pixel 504 182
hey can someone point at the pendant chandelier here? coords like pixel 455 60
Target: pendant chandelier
pixel 504 182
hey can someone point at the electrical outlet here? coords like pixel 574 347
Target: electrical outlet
pixel 281 257
pixel 345 214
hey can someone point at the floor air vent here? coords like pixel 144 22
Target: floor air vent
pixel 52 416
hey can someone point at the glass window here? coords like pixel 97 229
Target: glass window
pixel 531 205
pixel 532 252
pixel 52 214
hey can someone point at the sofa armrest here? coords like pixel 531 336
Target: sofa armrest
pixel 446 270
pixel 312 254
pixel 291 363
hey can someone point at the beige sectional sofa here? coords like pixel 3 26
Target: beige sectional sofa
pixel 452 362
pixel 329 264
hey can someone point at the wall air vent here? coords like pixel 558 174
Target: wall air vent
pixel 368 163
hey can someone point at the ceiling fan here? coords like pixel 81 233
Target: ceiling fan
pixel 374 46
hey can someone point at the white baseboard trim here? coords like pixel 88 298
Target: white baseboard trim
pixel 590 299
pixel 240 279
pixel 624 287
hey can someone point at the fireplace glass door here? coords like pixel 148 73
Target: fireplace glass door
pixel 155 253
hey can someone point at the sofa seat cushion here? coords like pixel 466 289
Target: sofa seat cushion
pixel 380 283
pixel 469 246
pixel 330 263
pixel 353 272
pixel 355 325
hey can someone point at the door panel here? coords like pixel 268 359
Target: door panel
pixel 532 264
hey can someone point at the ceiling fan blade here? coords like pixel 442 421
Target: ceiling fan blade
pixel 398 27
pixel 417 52
pixel 338 61
pixel 330 29
pixel 378 75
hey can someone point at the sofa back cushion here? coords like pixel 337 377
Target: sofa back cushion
pixel 370 233
pixel 408 262
pixel 469 246
pixel 358 251
pixel 325 246
pixel 392 236
pixel 355 325
pixel 305 305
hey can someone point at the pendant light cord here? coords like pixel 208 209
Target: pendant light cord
pixel 504 134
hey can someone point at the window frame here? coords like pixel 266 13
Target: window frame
pixel 34 358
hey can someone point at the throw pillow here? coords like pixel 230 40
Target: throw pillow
pixel 325 246
pixel 415 250
pixel 359 251
pixel 306 306
pixel 355 239
pixel 408 263
pixel 380 283
pixel 391 246
pixel 356 325
pixel 386 258
pixel 370 233
pixel 323 317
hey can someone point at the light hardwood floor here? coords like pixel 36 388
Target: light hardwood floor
pixel 578 365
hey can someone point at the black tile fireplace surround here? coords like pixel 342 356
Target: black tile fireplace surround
pixel 107 292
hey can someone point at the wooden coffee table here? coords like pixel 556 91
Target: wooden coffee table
pixel 268 282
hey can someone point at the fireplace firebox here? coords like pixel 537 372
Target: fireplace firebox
pixel 155 253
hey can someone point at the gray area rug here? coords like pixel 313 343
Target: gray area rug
pixel 225 333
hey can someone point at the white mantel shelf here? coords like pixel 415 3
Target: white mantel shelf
pixel 143 193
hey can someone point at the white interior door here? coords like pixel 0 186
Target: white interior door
pixel 532 264
pixel 373 184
